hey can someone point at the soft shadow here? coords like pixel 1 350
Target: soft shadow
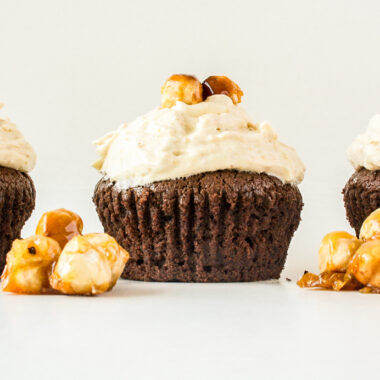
pixel 129 289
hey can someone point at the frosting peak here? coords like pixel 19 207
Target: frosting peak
pixel 364 152
pixel 169 143
pixel 15 151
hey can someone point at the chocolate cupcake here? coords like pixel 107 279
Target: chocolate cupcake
pixel 17 193
pixel 361 193
pixel 196 191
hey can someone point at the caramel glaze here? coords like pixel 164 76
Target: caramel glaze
pixel 218 84
pixel 61 225
pixel 329 280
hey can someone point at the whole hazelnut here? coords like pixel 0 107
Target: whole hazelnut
pixel 61 225
pixel 183 88
pixel 336 250
pixel 217 84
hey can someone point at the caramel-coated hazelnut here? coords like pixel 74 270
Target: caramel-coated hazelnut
pixel 61 225
pixel 29 264
pixel 183 88
pixel 371 226
pixel 336 250
pixel 365 264
pixel 218 84
pixel 89 264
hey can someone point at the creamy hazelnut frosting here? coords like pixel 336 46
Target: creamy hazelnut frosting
pixel 15 151
pixel 364 152
pixel 169 143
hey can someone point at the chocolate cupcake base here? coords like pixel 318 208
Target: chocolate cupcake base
pixel 17 200
pixel 221 226
pixel 361 196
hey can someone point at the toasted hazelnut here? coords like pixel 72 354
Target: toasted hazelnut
pixel 218 84
pixel 61 225
pixel 183 88
pixel 365 264
pixel 371 226
pixel 336 250
pixel 29 264
pixel 89 264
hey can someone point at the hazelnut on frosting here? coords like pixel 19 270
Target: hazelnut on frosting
pixel 185 88
pixel 189 136
pixel 15 151
pixel 218 84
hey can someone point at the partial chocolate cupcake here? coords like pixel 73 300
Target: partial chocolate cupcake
pixel 362 191
pixel 17 193
pixel 196 191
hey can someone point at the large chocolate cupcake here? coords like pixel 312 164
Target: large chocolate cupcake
pixel 17 193
pixel 196 192
pixel 361 193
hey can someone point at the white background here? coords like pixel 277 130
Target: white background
pixel 71 71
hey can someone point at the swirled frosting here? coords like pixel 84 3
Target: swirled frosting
pixel 15 151
pixel 364 152
pixel 169 143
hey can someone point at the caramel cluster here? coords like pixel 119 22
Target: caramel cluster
pixel 59 259
pixel 188 89
pixel 349 263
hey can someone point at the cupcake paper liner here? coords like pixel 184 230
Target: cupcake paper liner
pixel 222 226
pixel 361 196
pixel 17 200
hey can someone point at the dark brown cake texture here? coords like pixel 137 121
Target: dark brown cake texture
pixel 221 226
pixel 17 200
pixel 361 196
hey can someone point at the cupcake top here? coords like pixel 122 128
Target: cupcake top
pixel 364 152
pixel 15 151
pixel 199 128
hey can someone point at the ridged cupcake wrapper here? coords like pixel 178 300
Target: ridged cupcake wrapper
pixel 215 227
pixel 361 196
pixel 17 200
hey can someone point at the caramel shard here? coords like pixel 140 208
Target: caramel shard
pixel 329 280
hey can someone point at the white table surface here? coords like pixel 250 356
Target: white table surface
pixel 74 70
pixel 268 330
pixel 191 331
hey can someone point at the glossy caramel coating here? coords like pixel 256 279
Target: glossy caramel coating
pixel 371 226
pixel 89 265
pixel 217 84
pixel 29 264
pixel 180 87
pixel 61 225
pixel 329 280
pixel 336 250
pixel 365 264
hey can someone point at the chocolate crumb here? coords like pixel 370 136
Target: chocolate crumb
pixel 32 250
pixel 306 271
pixel 288 279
